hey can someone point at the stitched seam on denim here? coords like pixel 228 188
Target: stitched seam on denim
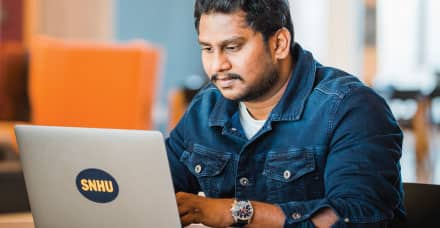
pixel 296 148
pixel 337 105
pixel 369 219
pixel 198 148
pixel 328 92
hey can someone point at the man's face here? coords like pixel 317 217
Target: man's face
pixel 236 58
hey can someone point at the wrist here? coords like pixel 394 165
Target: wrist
pixel 267 215
pixel 216 212
pixel 242 212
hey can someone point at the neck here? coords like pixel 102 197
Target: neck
pixel 261 108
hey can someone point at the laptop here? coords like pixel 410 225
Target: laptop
pixel 86 177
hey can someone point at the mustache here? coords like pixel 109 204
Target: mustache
pixel 214 77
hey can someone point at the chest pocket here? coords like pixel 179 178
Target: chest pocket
pixel 208 166
pixel 289 174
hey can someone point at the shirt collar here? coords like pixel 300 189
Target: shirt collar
pixel 291 105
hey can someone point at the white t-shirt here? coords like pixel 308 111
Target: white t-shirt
pixel 250 125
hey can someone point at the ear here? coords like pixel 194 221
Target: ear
pixel 281 43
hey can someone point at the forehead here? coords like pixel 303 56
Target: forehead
pixel 216 27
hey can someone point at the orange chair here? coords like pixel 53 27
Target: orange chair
pixel 80 84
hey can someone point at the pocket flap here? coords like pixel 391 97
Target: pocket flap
pixel 203 161
pixel 289 166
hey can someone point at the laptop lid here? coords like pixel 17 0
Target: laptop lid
pixel 85 177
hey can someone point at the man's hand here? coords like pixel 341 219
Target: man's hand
pixel 208 211
pixel 217 213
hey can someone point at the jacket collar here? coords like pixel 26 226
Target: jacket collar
pixel 291 105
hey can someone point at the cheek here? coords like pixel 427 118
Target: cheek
pixel 251 63
pixel 242 64
pixel 250 68
pixel 205 64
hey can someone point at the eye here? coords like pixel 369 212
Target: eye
pixel 206 49
pixel 232 48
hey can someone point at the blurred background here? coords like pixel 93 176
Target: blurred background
pixel 135 64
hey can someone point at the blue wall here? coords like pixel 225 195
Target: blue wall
pixel 168 23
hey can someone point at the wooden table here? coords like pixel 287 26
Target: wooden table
pixel 25 220
pixel 16 220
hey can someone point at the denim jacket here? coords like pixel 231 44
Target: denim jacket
pixel 329 142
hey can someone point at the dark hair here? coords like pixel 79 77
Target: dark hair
pixel 265 16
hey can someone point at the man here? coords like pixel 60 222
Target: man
pixel 277 139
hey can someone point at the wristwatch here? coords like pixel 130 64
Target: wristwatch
pixel 242 212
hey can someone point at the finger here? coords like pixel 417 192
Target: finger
pixel 187 219
pixel 197 215
pixel 182 194
pixel 179 195
pixel 182 197
pixel 184 209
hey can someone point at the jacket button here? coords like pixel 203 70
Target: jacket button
pixel 287 174
pixel 346 220
pixel 296 215
pixel 198 169
pixel 244 181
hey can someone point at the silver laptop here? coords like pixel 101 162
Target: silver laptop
pixel 84 177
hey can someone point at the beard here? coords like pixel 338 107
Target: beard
pixel 255 91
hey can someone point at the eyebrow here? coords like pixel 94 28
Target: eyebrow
pixel 225 42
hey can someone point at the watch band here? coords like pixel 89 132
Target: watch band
pixel 240 223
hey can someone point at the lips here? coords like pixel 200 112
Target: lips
pixel 225 82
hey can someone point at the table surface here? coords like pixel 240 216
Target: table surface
pixel 16 220
pixel 25 220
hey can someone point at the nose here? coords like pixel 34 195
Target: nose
pixel 220 63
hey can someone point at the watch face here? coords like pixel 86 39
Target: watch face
pixel 244 210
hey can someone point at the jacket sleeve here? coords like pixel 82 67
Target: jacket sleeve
pixel 362 174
